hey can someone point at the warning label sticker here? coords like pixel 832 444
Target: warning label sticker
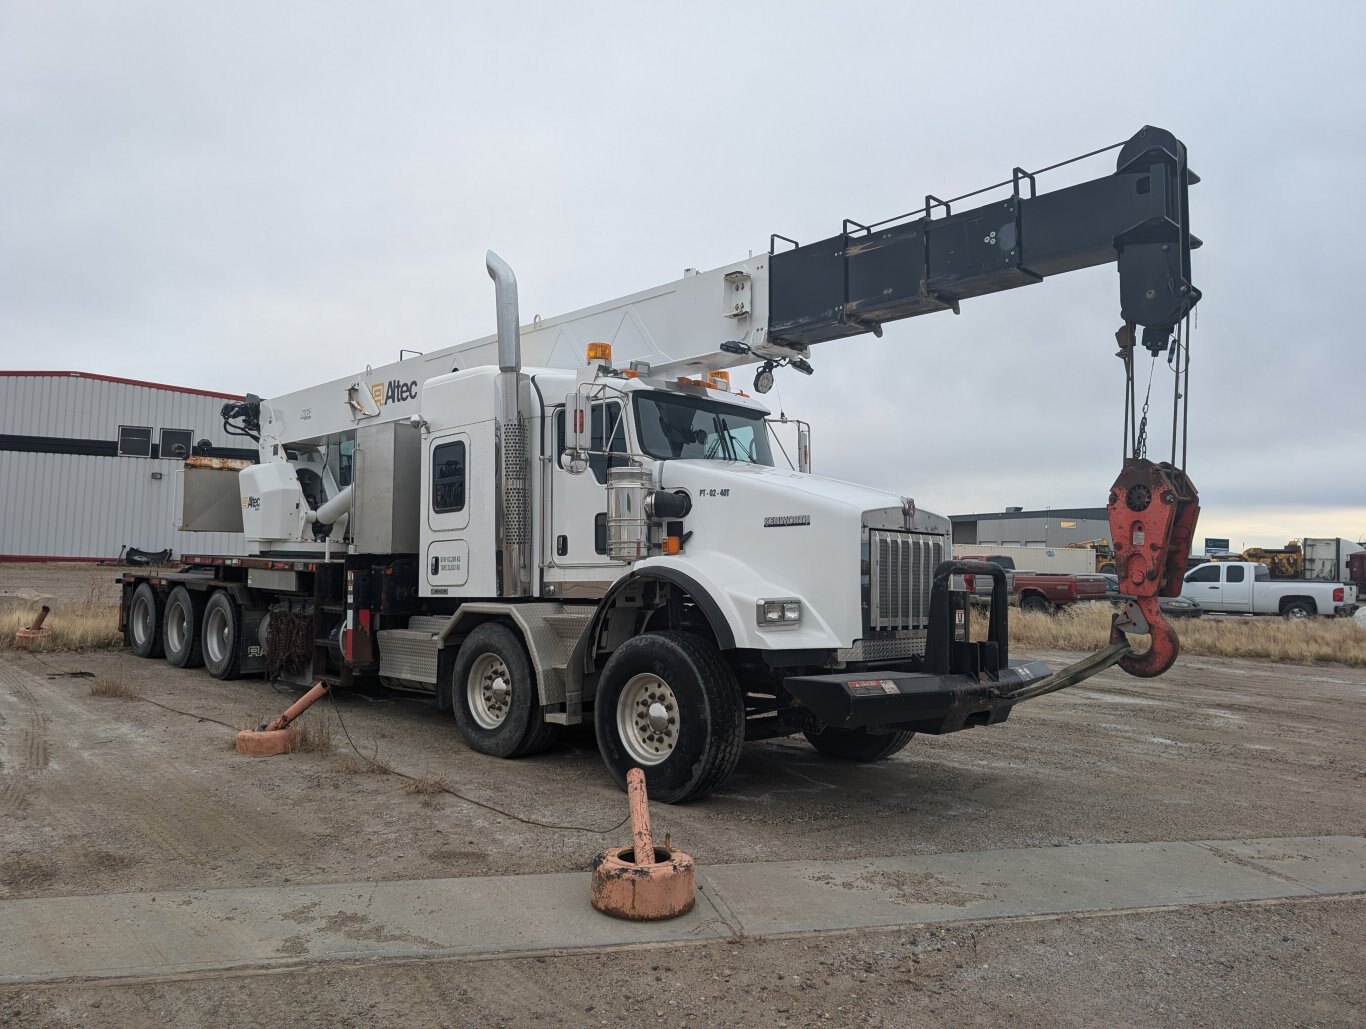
pixel 872 686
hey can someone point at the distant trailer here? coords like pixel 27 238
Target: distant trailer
pixel 1063 560
pixel 92 465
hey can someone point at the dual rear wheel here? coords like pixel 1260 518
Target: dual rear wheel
pixel 188 627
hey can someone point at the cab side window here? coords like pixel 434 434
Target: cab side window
pixel 448 477
pixel 1235 573
pixel 1210 573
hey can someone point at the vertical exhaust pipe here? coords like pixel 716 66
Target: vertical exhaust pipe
pixel 514 537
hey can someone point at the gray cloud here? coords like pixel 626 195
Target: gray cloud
pixel 257 197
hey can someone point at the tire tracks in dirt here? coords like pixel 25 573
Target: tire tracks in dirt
pixel 23 742
pixel 151 809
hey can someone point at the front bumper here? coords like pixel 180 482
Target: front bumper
pixel 920 702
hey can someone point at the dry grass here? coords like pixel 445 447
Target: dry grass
pixel 1086 627
pixel 311 734
pixel 103 687
pixel 425 784
pixel 88 624
pixel 372 765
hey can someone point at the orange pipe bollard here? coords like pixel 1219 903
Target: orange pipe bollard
pixel 276 737
pixel 643 882
pixel 26 637
pixel 294 710
pixel 640 817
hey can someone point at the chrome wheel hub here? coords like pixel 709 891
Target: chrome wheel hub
pixel 489 691
pixel 647 719
pixel 217 635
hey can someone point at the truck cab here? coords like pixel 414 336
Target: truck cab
pixel 1248 587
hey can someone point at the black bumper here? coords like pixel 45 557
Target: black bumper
pixel 910 700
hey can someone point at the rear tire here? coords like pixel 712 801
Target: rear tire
pixel 669 704
pixel 858 744
pixel 493 695
pixel 1299 610
pixel 145 614
pixel 222 636
pixel 182 628
pixel 1036 604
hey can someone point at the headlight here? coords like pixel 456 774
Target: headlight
pixel 773 613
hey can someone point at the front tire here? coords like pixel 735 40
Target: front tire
pixel 145 613
pixel 669 704
pixel 858 744
pixel 182 628
pixel 493 695
pixel 222 636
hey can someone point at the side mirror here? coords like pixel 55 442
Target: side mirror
pixel 577 419
pixel 577 436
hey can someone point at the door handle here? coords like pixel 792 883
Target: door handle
pixel 436 567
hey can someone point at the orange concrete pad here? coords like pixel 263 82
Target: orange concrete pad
pixel 266 744
pixel 624 889
pixel 26 639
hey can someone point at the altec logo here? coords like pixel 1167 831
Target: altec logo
pixel 393 392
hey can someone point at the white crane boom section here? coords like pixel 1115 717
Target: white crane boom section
pixel 677 329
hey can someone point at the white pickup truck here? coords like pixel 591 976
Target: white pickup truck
pixel 1246 587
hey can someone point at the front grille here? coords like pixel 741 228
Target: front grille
pixel 900 573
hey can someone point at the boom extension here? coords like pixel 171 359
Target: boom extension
pixel 868 275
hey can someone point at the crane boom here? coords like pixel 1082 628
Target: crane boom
pixel 916 264
pixel 772 307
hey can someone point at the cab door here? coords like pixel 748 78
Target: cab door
pixel 1236 594
pixel 1203 587
pixel 458 541
pixel 576 548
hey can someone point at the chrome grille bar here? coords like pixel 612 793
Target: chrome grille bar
pixel 901 573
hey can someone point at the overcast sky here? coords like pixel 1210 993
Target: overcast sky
pixel 260 196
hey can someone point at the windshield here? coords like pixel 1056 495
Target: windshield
pixel 671 425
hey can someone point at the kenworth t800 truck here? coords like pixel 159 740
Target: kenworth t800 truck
pixel 587 518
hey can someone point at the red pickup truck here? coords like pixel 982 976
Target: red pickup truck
pixel 1044 591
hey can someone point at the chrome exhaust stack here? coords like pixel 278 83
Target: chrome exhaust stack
pixel 514 536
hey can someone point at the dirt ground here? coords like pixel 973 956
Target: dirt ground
pixel 102 795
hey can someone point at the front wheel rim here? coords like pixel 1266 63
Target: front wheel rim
pixel 647 719
pixel 488 691
pixel 217 635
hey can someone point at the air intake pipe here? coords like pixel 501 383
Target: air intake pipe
pixel 332 510
pixel 514 537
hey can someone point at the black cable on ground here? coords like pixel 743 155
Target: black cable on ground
pixel 61 674
pixel 352 743
pixel 470 800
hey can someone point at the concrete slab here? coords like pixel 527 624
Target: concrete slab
pixel 120 935
pixel 1325 864
pixel 783 896
pixel 135 934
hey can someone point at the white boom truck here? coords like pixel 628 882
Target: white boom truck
pixel 581 518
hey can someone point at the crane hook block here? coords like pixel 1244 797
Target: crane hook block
pixel 1153 508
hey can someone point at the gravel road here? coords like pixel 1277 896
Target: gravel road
pixel 101 795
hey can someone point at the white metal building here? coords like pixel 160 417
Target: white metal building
pixel 89 465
